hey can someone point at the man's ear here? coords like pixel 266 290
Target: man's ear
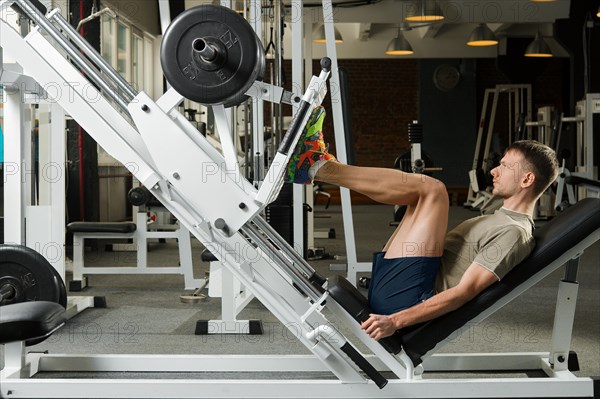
pixel 528 180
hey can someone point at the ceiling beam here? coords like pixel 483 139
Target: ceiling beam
pixel 455 11
pixel 364 31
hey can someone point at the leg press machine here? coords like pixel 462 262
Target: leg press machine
pixel 207 193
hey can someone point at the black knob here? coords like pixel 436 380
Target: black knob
pixel 326 64
pixel 145 108
pixel 221 225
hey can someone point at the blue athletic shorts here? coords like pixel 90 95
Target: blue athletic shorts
pixel 400 283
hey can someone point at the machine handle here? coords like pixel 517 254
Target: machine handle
pixel 364 365
pixel 297 124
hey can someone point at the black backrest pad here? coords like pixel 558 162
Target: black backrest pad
pixel 552 240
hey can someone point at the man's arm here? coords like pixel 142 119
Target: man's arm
pixel 476 279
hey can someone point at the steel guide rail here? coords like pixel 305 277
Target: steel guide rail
pixel 36 16
pixel 93 54
pixel 298 261
pixel 286 265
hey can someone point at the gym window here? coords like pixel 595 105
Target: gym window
pixel 129 50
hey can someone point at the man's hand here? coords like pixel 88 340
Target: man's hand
pixel 379 326
pixel 476 279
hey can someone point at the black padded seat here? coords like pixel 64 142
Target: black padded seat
pixel 101 227
pixel 30 320
pixel 552 240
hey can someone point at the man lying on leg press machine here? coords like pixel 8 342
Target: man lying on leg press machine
pixel 424 272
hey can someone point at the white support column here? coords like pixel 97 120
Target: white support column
pixel 308 72
pixel 14 202
pixel 228 313
pixel 297 88
pixel 44 154
pixel 52 182
pixel 591 107
pixel 564 317
pixel 165 14
pixel 14 355
pixel 340 140
pixel 223 121
pixel 141 241
pixel 185 258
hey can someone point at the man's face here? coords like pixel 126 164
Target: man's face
pixel 509 175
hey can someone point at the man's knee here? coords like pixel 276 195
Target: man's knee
pixel 436 190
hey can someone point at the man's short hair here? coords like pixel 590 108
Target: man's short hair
pixel 542 161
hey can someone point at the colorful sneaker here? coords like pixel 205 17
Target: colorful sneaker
pixel 310 152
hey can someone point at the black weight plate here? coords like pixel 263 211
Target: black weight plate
pixel 30 273
pixel 241 58
pixel 62 300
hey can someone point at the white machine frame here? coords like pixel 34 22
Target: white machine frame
pixel 584 157
pixel 229 224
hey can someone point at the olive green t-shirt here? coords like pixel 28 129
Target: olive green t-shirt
pixel 497 242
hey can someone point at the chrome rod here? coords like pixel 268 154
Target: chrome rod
pixel 35 15
pixel 298 278
pixel 273 235
pixel 91 52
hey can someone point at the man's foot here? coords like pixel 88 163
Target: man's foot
pixel 310 152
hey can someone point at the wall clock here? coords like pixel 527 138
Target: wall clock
pixel 446 77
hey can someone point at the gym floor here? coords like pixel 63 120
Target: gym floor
pixel 145 316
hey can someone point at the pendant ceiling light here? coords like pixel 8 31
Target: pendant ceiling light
pixel 538 47
pixel 424 11
pixel 399 45
pixel 482 36
pixel 318 35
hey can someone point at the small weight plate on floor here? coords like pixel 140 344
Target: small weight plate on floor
pixel 30 274
pixel 192 298
pixel 211 55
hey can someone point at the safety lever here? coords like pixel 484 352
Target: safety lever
pixel 364 365
pixel 331 335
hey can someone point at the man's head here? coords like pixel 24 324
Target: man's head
pixel 526 165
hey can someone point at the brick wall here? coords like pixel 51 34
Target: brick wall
pixel 385 95
pixel 384 99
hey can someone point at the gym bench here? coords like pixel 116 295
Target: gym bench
pixel 140 235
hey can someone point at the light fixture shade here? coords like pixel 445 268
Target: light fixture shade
pixel 318 35
pixel 482 36
pixel 538 48
pixel 424 11
pixel 399 46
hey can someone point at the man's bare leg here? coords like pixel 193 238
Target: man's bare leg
pixel 425 222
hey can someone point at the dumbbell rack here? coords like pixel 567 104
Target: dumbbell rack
pixel 180 169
